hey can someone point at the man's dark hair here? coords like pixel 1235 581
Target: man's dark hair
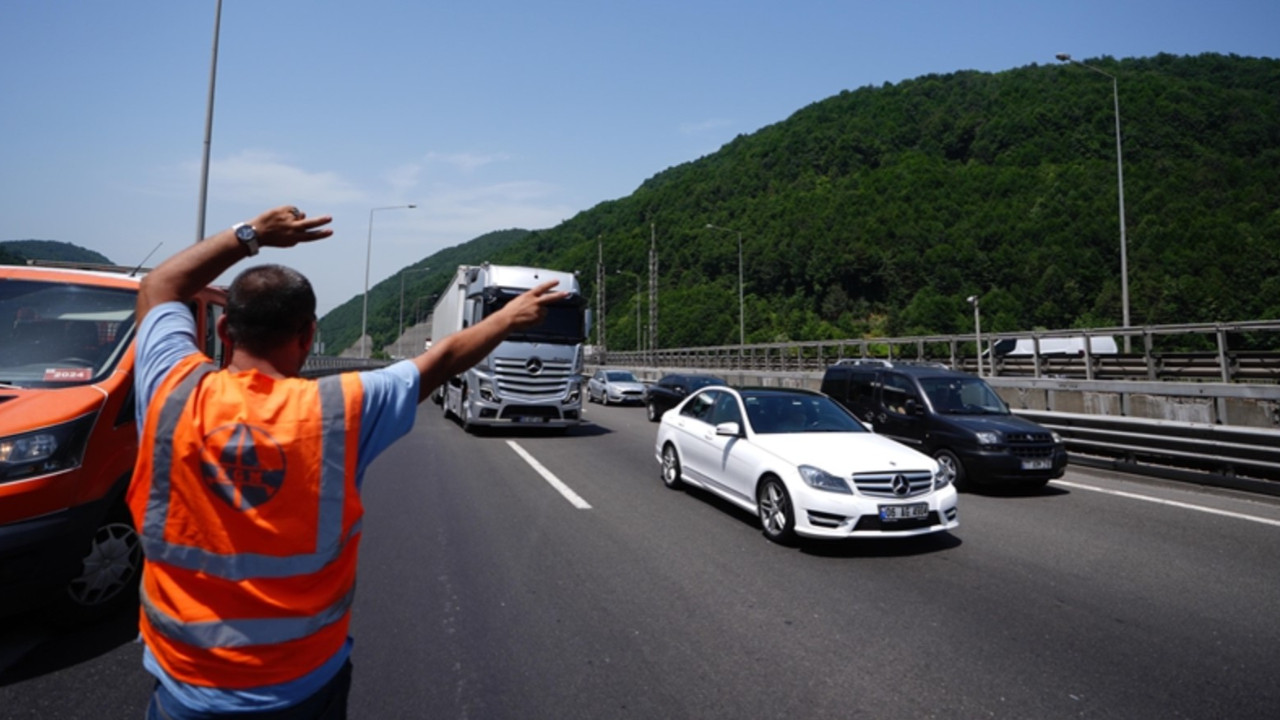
pixel 268 305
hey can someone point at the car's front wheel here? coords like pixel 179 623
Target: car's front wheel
pixel 951 469
pixel 777 516
pixel 671 467
pixel 653 411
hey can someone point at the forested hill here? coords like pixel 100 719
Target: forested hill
pixel 878 211
pixel 15 252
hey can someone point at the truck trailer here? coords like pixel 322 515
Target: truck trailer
pixel 534 377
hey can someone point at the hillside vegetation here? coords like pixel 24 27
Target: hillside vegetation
pixel 877 211
pixel 17 252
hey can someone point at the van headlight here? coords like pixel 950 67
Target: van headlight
pixel 988 438
pixel 1057 439
pixel 45 451
pixel 823 480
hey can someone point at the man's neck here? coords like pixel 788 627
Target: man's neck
pixel 271 366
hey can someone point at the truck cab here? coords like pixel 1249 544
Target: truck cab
pixel 952 416
pixel 534 377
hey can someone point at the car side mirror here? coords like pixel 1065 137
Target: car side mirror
pixel 729 429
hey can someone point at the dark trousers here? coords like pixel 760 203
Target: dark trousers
pixel 328 703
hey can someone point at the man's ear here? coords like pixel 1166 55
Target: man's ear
pixel 307 337
pixel 225 336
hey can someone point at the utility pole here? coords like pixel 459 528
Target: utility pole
pixel 600 295
pixel 653 287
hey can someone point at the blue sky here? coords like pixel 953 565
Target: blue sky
pixel 486 114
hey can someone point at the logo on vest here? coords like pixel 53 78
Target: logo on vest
pixel 250 465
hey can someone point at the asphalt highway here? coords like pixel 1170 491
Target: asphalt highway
pixel 534 575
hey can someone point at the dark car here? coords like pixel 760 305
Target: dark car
pixel 671 389
pixel 953 416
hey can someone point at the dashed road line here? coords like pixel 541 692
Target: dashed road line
pixel 547 475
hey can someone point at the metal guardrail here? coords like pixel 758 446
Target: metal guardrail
pixel 1154 362
pixel 1240 458
pixel 321 365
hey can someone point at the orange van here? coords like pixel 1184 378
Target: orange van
pixel 69 436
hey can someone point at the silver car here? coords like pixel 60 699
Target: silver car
pixel 615 386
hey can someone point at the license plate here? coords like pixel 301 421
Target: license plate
pixel 914 511
pixel 534 419
pixel 1037 464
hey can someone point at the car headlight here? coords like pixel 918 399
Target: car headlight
pixel 940 479
pixel 823 480
pixel 45 451
pixel 988 438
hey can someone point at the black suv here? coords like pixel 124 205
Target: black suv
pixel 953 416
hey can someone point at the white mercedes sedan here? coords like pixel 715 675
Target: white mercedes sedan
pixel 803 464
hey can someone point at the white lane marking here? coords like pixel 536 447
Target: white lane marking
pixel 546 474
pixel 1174 503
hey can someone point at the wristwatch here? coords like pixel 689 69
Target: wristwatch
pixel 247 237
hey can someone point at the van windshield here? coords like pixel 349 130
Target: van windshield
pixel 963 396
pixel 58 334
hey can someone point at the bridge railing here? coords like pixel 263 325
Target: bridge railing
pixel 1242 352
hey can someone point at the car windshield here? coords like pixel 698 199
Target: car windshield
pixel 56 334
pixel 963 396
pixel 620 376
pixel 772 412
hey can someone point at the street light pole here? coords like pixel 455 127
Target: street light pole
pixel 742 308
pixel 401 335
pixel 977 330
pixel 208 125
pixel 1124 259
pixel 368 256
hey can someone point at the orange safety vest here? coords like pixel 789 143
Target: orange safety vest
pixel 245 498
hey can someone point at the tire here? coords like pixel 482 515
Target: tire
pixel 109 574
pixel 604 397
pixel 777 515
pixel 951 467
pixel 671 467
pixel 653 412
pixel 465 415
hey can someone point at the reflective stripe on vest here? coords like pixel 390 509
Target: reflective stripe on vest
pixel 242 566
pixel 243 632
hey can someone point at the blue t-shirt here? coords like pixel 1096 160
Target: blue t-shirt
pixel 168 334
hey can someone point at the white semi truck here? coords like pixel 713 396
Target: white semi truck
pixel 534 377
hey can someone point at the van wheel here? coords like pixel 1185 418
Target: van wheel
pixel 653 412
pixel 777 516
pixel 109 573
pixel 951 469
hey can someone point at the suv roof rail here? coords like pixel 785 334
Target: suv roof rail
pixel 77 265
pixel 881 362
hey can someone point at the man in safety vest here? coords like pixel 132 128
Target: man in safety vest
pixel 246 492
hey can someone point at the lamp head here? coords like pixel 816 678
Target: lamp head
pixel 973 299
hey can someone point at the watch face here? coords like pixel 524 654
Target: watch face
pixel 246 233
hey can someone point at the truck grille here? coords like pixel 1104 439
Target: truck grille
pixel 881 484
pixel 515 380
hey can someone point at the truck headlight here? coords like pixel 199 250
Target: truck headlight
pixel 575 392
pixel 45 451
pixel 988 438
pixel 486 391
pixel 823 480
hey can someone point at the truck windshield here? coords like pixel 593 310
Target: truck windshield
pixel 963 396
pixel 565 323
pixel 57 334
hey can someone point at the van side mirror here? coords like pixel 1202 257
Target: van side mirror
pixel 914 407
